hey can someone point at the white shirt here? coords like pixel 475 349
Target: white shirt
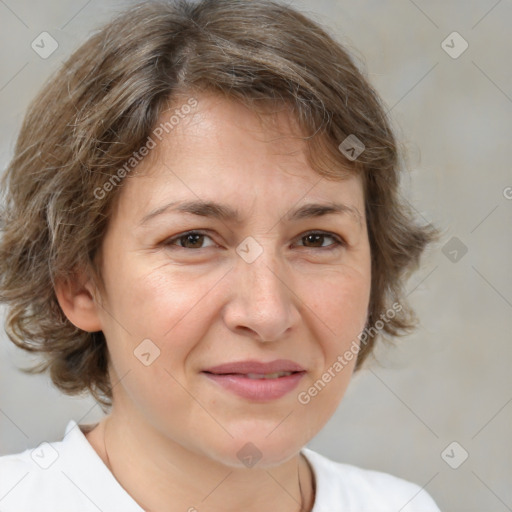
pixel 69 476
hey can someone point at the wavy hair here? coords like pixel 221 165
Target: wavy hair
pixel 104 102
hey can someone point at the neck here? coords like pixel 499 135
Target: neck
pixel 163 475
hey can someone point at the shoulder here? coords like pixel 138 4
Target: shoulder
pixel 11 465
pixel 60 476
pixel 353 489
pixel 25 477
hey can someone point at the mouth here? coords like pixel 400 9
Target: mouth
pixel 276 375
pixel 258 368
pixel 256 381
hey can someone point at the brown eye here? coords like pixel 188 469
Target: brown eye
pixel 193 241
pixel 190 240
pixel 315 240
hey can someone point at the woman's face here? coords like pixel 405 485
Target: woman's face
pixel 257 288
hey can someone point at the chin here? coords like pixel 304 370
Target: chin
pixel 253 449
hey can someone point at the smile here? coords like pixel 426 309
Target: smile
pixel 257 387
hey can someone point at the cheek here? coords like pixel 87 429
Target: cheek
pixel 337 312
pixel 158 303
pixel 339 301
pixel 170 309
pixel 167 308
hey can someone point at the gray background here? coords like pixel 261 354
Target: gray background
pixel 450 381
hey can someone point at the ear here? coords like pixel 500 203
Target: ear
pixel 77 299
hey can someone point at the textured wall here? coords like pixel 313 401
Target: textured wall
pixel 450 381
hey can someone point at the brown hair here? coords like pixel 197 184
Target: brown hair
pixel 99 109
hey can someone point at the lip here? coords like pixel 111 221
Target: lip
pixel 252 366
pixel 233 377
pixel 257 390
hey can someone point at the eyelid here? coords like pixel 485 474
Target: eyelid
pixel 338 240
pixel 175 238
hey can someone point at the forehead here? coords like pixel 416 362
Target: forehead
pixel 225 152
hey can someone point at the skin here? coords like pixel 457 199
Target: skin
pixel 172 437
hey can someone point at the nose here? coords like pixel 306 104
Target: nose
pixel 264 303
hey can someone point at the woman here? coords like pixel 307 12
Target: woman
pixel 203 229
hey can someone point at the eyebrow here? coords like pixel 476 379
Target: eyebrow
pixel 227 213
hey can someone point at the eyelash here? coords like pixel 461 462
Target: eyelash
pixel 338 242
